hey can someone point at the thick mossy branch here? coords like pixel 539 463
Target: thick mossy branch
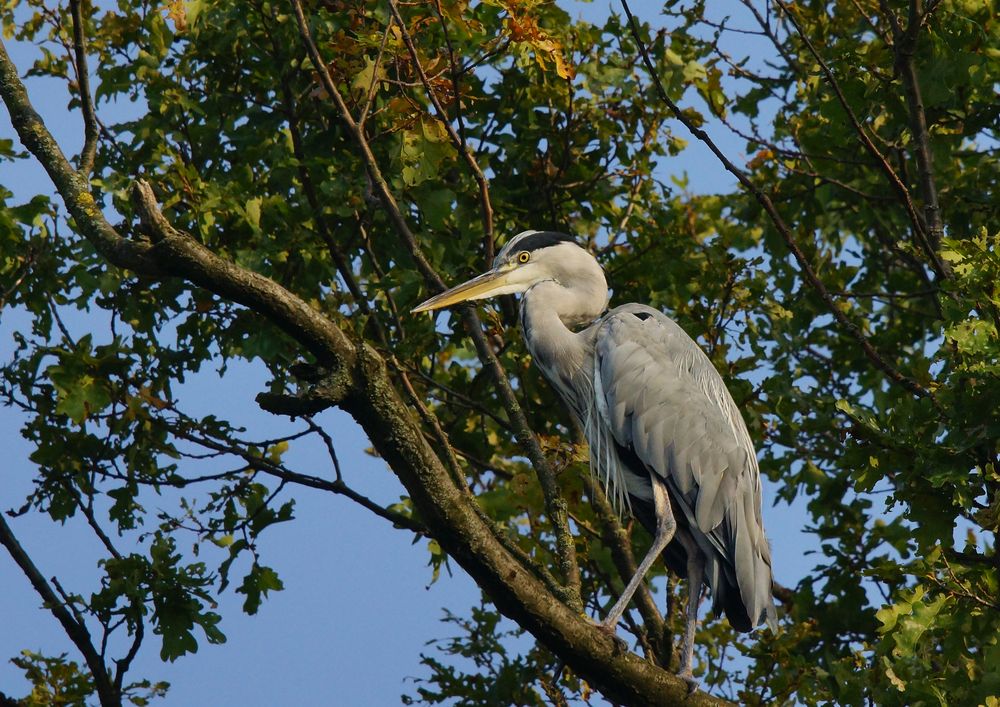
pixel 72 186
pixel 187 258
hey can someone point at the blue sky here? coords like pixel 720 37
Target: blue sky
pixel 357 610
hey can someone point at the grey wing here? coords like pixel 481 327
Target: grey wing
pixel 662 399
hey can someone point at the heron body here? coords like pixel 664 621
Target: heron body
pixel 666 439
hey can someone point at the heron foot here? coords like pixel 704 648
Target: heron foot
pixel 690 679
pixel 610 629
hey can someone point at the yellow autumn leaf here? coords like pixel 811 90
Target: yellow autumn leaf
pixel 524 29
pixel 178 14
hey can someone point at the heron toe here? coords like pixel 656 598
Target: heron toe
pixel 610 629
pixel 692 682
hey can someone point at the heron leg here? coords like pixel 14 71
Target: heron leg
pixel 696 575
pixel 665 527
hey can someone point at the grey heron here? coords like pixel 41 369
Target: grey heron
pixel 666 438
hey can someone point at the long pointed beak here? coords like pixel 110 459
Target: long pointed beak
pixel 494 282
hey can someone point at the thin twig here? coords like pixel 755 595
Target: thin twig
pixel 330 449
pixel 68 601
pixel 457 140
pixel 873 355
pixel 74 628
pixel 887 295
pixel 463 400
pixel 88 512
pixel 919 228
pixel 441 437
pixel 260 463
pixel 373 84
pixel 871 23
pixel 90 129
pixel 555 505
pixel 963 591
pixel 122 665
pixel 904 46
pixel 25 269
pixel 768 30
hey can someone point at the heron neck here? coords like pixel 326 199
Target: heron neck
pixel 549 313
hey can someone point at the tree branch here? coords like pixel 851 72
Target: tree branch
pixel 75 630
pixel 337 486
pixel 457 140
pixel 367 393
pixel 373 84
pixel 919 228
pixel 122 665
pixel 90 130
pixel 554 503
pixel 174 253
pixel 905 48
pixel 74 188
pixel 852 329
pixel 184 256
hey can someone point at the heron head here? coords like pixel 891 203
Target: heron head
pixel 527 259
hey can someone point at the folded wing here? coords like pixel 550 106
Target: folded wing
pixel 664 402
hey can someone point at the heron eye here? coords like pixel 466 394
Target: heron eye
pixel 523 256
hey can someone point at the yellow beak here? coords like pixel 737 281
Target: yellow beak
pixel 494 282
